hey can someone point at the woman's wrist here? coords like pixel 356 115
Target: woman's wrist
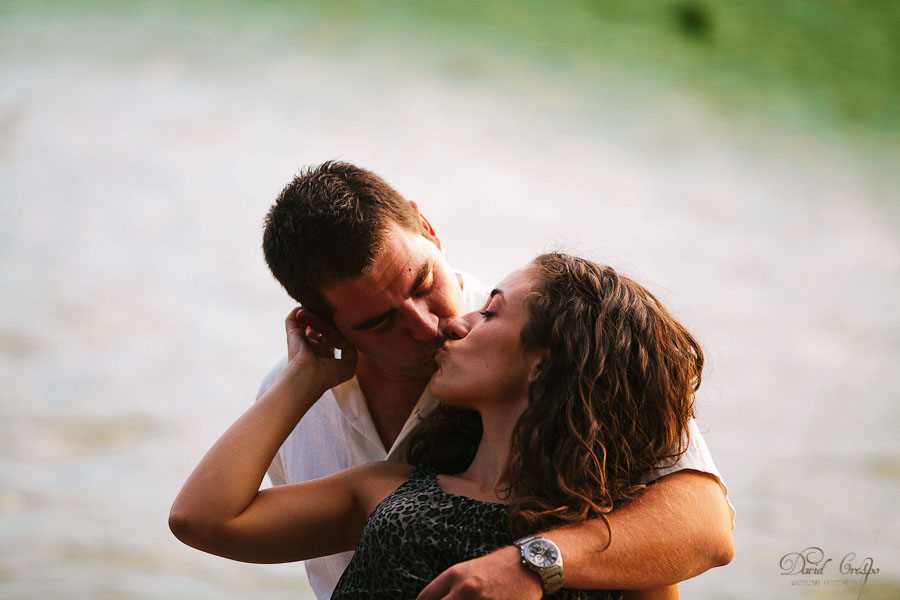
pixel 301 384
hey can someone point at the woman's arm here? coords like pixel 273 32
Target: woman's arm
pixel 221 509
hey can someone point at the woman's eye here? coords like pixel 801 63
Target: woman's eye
pixel 487 314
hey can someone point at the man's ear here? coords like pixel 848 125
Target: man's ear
pixel 426 225
pixel 326 330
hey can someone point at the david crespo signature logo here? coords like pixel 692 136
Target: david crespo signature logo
pixel 812 561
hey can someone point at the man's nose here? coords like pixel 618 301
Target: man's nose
pixel 424 324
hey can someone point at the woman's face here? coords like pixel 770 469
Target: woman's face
pixel 482 360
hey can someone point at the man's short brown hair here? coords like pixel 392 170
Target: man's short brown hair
pixel 328 225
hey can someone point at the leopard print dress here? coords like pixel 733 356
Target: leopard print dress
pixel 418 532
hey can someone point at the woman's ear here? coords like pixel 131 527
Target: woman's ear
pixel 541 357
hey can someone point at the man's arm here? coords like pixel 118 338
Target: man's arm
pixel 676 529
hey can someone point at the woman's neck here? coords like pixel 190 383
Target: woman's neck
pixel 487 472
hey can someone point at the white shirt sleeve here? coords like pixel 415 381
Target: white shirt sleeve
pixel 696 458
pixel 277 473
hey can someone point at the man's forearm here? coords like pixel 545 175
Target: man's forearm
pixel 676 529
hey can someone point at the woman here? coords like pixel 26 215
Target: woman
pixel 558 397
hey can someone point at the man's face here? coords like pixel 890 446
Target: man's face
pixel 394 314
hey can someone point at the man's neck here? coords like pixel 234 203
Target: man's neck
pixel 389 397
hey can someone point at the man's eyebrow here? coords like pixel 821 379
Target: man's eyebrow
pixel 417 282
pixel 421 276
pixel 496 292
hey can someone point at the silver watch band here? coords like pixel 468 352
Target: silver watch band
pixel 551 576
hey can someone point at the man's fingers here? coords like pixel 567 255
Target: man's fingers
pixel 438 588
pixel 453 585
pixel 489 576
pixel 446 587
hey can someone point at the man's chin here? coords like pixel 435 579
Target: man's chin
pixel 423 370
pixel 429 369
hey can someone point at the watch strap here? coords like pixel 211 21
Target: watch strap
pixel 551 576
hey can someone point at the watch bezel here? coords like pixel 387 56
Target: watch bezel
pixel 550 575
pixel 544 543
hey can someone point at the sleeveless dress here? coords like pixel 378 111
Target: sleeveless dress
pixel 418 532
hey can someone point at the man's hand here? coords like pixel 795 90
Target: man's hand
pixel 499 574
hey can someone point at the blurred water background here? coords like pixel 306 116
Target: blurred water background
pixel 740 158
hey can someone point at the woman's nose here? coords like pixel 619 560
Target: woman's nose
pixel 456 329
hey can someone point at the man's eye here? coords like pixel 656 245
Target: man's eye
pixel 383 326
pixel 425 287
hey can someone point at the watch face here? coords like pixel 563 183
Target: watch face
pixel 540 553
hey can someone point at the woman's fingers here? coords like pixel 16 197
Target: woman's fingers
pixel 323 329
pixel 313 343
pixel 301 335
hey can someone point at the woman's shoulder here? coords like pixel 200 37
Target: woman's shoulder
pixel 387 470
pixel 376 480
pixel 381 469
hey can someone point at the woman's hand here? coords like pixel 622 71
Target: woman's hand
pixel 311 351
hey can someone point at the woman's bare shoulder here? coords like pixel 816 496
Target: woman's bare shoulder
pixel 382 469
pixel 376 480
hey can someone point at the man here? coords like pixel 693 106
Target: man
pixel 368 269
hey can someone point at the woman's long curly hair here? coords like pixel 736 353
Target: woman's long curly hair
pixel 611 402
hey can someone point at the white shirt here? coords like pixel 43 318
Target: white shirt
pixel 338 433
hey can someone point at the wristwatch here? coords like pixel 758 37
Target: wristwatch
pixel 543 557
